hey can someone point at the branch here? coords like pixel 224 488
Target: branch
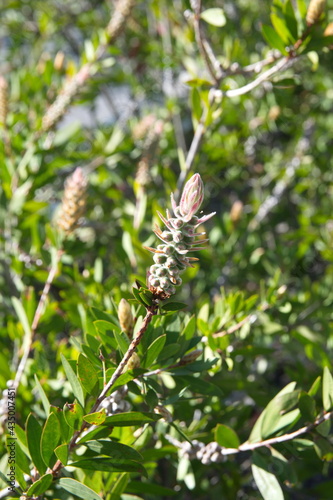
pixel 282 64
pixel 36 320
pixel 213 452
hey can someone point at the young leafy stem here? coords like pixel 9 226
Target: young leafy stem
pixel 151 311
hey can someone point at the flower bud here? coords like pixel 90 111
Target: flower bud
pixel 125 317
pixel 315 10
pixel 192 197
pixel 133 362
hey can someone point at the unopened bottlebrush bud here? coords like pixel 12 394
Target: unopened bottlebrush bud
pixel 190 357
pixel 180 238
pixel 73 204
pixel 125 317
pixel 314 12
pixel 192 197
pixel 133 362
pixel 236 211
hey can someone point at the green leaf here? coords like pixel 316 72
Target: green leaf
pixel 273 39
pixel 327 389
pixel 78 489
pixel 324 449
pixel 146 296
pixel 138 297
pixel 226 437
pixel 96 418
pixel 290 18
pixel 65 429
pixel 73 380
pixel 315 387
pixel 302 8
pixel 40 486
pixel 267 484
pixel 173 306
pixel 257 434
pixel 61 453
pixel 21 458
pixel 110 465
pixel 119 486
pixel 73 414
pixel 281 29
pixel 196 104
pixel 214 16
pixel 169 351
pixel 22 315
pixel 324 428
pixel 34 435
pixel 131 418
pixel 150 489
pixel 153 351
pixel 64 134
pixel 122 341
pixel 189 329
pixel 307 407
pixel 87 373
pixel 43 397
pixel 50 438
pixel 113 449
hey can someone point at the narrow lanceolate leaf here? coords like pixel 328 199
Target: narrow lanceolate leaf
pixel 110 465
pixel 327 389
pixel 78 489
pixel 73 414
pixel 267 484
pixel 50 438
pixel 43 397
pixel 34 434
pixel 131 418
pixel 96 418
pixel 113 449
pixel 174 306
pixel 153 351
pixel 226 437
pixel 40 486
pixel 87 373
pixel 61 453
pixel 73 380
pixel 22 315
pixel 214 16
pixel 122 341
pixel 273 38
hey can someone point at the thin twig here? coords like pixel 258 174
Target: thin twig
pixel 265 443
pixel 280 439
pixel 36 320
pixel 282 64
